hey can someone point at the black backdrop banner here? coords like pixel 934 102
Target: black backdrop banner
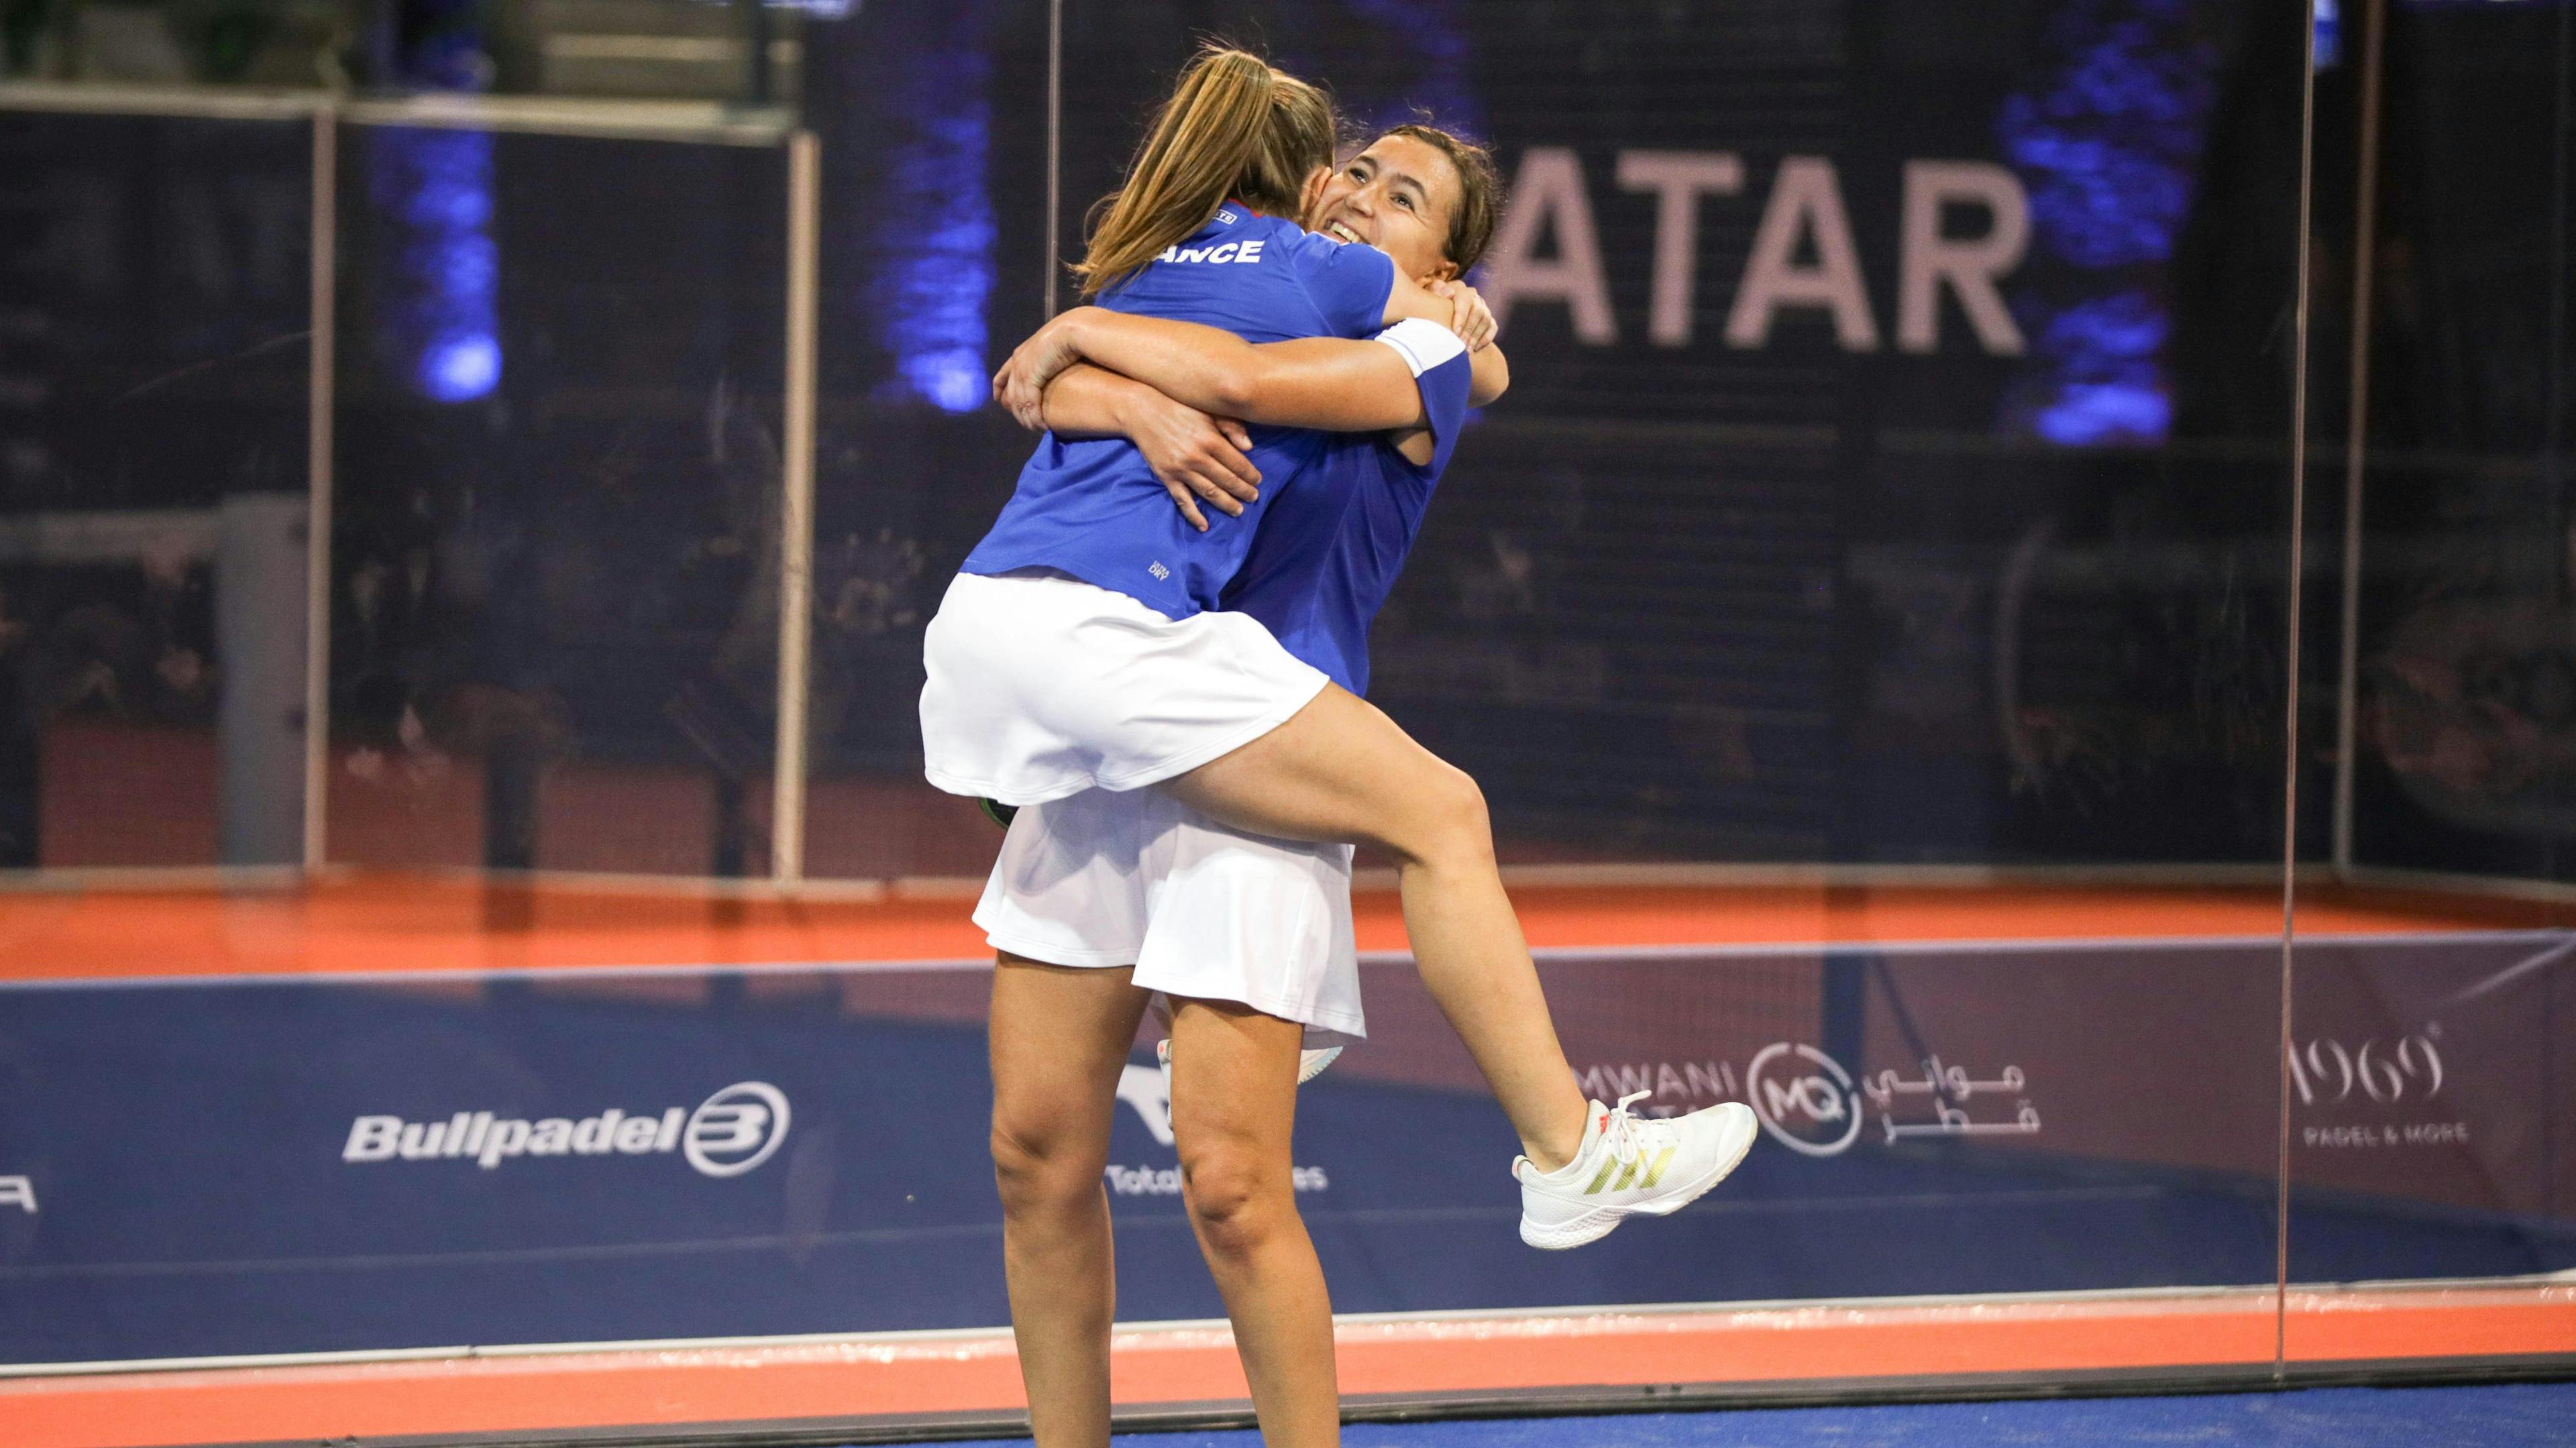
pixel 1896 465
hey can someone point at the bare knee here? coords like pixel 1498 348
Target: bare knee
pixel 1040 1169
pixel 1237 1201
pixel 1450 825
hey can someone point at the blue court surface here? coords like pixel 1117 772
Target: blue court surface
pixel 2512 1415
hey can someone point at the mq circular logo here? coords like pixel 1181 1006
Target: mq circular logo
pixel 1805 1098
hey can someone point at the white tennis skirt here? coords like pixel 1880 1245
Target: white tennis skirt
pixel 1041 686
pixel 1136 878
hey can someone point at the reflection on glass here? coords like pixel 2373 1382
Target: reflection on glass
pixel 2426 1118
pixel 932 265
pixel 434 187
pixel 1893 479
pixel 2429 1057
pixel 1894 476
pixel 555 567
pixel 2465 636
pixel 152 478
pixel 933 127
pixel 2109 143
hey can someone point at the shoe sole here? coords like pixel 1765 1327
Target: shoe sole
pixel 1598 1223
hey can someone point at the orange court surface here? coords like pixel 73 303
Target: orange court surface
pixel 385 923
pixel 918 1385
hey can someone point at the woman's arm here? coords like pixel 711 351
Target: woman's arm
pixel 1194 456
pixel 1320 382
pixel 1454 305
pixel 1492 377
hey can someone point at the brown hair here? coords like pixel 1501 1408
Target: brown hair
pixel 1233 128
pixel 1480 191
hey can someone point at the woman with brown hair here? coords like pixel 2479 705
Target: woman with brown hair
pixel 1078 660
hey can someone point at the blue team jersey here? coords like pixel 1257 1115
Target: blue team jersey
pixel 1331 549
pixel 1092 508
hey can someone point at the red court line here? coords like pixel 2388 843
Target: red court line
pixel 393 923
pixel 977 1372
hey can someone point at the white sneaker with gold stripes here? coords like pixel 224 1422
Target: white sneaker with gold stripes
pixel 1629 1164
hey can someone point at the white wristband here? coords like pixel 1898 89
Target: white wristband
pixel 1424 345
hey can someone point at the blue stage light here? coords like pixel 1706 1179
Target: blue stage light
pixel 933 265
pixel 439 304
pixel 459 369
pixel 2108 146
pixel 953 380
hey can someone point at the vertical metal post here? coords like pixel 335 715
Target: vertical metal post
pixel 796 512
pixel 2290 693
pixel 321 360
pixel 2356 436
pixel 1054 145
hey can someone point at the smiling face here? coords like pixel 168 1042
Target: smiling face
pixel 1398 196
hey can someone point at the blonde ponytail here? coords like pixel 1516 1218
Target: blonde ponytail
pixel 1233 127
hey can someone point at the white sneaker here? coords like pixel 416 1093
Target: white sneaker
pixel 1631 1164
pixel 1310 1064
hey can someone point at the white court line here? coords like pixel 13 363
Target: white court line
pixel 2514 972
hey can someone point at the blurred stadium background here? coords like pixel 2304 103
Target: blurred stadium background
pixel 2029 554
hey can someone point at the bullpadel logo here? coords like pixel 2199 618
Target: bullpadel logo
pixel 728 1134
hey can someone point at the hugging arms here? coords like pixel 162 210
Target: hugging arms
pixel 1181 391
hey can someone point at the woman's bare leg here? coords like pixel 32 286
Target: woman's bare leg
pixel 1060 1036
pixel 1342 770
pixel 1234 1101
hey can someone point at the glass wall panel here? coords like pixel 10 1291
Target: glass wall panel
pixel 555 571
pixel 1893 493
pixel 2429 1060
pixel 933 127
pixel 154 285
pixel 1891 473
pixel 1865 616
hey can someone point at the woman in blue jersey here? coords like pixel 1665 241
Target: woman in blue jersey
pixel 1281 751
pixel 1060 1035
pixel 1326 554
pixel 1078 650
